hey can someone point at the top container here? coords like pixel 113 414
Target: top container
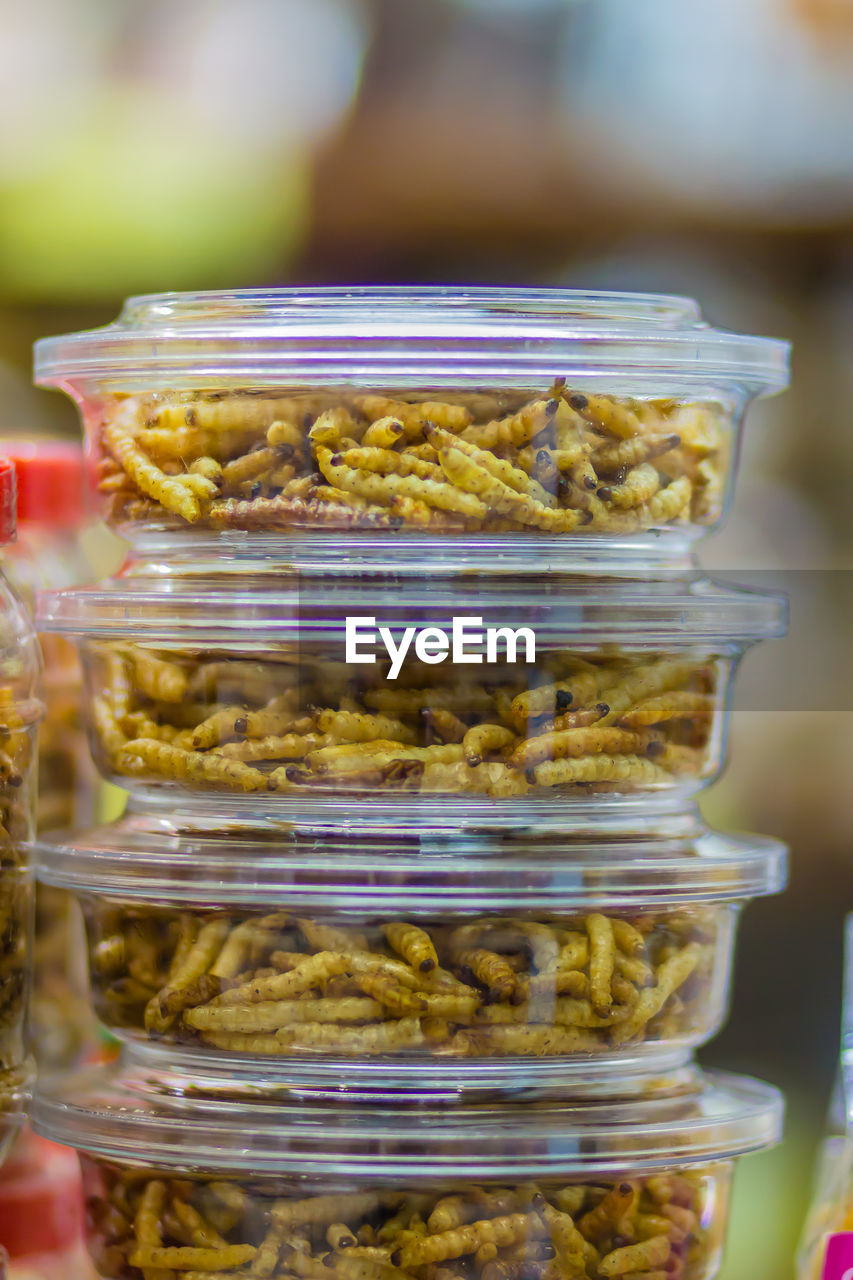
pixel 502 415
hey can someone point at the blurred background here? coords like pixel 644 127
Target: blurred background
pixel 703 148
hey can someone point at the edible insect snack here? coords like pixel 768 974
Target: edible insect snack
pixel 291 687
pixel 370 960
pixel 585 1191
pixel 457 412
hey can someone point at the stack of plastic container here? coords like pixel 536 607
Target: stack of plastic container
pixel 20 711
pixel 411 926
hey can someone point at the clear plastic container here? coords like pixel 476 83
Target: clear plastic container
pixel 49 554
pixel 405 966
pixel 321 690
pixel 474 412
pixel 187 1178
pixel 20 711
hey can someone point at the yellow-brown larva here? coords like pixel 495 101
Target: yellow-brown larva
pixel 169 492
pixel 602 956
pixel 386 462
pixel 468 1238
pixel 678 704
pixel 383 489
pixel 632 452
pixel 607 413
pixel 645 1256
pixel 567 743
pixel 157 678
pixel 515 430
pixel 603 768
pixel 354 726
pixel 269 1015
pixel 413 944
pixel 514 477
pixel 468 475
pixel 189 766
pixel 640 484
pixel 453 417
pixel 384 433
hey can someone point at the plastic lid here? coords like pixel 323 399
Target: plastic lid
pixel 51 480
pixel 392 337
pixel 144 1118
pixel 268 608
pixel 41 1199
pixel 8 522
pixel 409 874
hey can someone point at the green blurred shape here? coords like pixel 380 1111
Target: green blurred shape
pixel 144 199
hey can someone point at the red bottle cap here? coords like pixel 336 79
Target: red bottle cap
pixel 52 480
pixel 8 522
pixel 41 1200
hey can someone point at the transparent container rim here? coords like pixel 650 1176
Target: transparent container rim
pixel 405 874
pixel 397 336
pixel 315 609
pixel 119 1116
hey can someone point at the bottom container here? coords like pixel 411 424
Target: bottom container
pixel 185 1180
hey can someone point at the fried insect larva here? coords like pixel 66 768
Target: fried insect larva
pixel 453 417
pixel 313 971
pixel 276 718
pixel 450 1212
pixel 568 1242
pixel 110 735
pixel 284 433
pixel 469 476
pixel 321 1210
pixel 400 1000
pixel 546 699
pixel 679 704
pixel 445 724
pixel 159 1013
pixel 468 1238
pixel 602 947
pixel 164 681
pixel 383 433
pixel 492 779
pixel 623 691
pixel 532 1040
pixel 413 944
pixel 627 768
pixel 514 431
pixel 483 739
pixel 201 1232
pixel 169 492
pixel 250 466
pixel 632 452
pixel 233 412
pixel 639 485
pixel 603 411
pixel 354 726
pixel 383 489
pixel 562 743
pixel 189 766
pixel 269 1015
pixel 644 1256
pixel 375 1037
pixel 499 468
pixel 184 1257
pixel 326 937
pixel 628 938
pixel 379 752
pixel 290 746
pixel 667 506
pixel 284 510
pixel 671 974
pixel 385 462
pixel 490 969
